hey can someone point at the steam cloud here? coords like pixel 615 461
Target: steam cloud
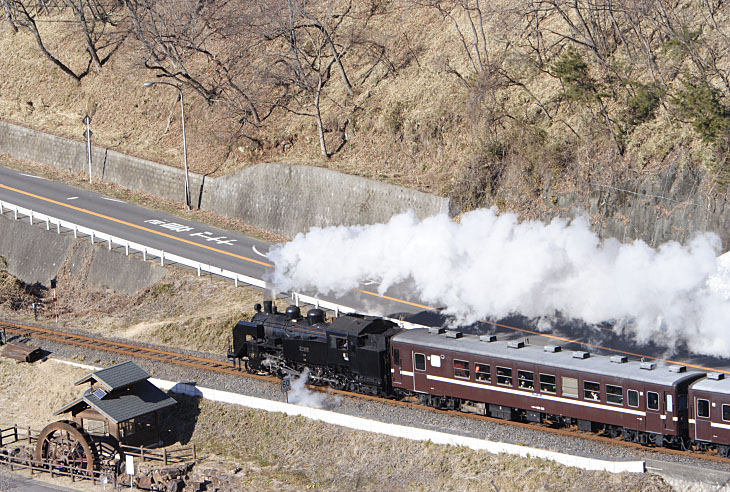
pixel 490 265
pixel 301 395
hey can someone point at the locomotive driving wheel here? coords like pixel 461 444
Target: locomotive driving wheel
pixel 64 444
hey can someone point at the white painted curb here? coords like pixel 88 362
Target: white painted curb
pixel 389 429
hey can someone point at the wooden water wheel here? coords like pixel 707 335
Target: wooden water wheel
pixel 63 444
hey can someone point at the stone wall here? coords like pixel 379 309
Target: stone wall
pixel 282 198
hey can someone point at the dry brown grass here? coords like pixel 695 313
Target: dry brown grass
pixel 273 452
pixel 415 124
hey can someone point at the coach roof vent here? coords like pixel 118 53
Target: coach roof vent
pixel 515 344
pixel 436 330
pixel 676 368
pixel 649 366
pixel 715 375
pixel 454 334
pixel 579 354
pixel 619 359
pixel 552 348
pixel 488 338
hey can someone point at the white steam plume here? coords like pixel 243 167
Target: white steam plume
pixel 490 265
pixel 301 395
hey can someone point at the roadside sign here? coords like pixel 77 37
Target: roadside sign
pixel 129 465
pixel 285 385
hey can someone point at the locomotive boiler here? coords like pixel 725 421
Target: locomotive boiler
pixel 351 352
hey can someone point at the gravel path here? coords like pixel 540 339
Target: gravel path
pixel 387 412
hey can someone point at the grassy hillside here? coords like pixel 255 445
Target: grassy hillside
pixel 505 104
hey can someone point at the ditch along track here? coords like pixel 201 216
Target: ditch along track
pixel 206 364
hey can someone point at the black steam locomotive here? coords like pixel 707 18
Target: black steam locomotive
pixel 350 353
pixel 644 402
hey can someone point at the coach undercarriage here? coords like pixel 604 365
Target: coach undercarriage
pixel 559 421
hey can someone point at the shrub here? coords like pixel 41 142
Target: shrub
pixel 572 71
pixel 700 103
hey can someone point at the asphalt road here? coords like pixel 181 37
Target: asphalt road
pixel 19 483
pixel 245 255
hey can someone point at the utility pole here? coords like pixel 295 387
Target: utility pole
pixel 87 134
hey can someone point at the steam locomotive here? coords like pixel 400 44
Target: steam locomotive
pixel 644 402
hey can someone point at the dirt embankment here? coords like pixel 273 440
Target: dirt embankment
pixel 499 132
pixel 258 450
pixel 269 452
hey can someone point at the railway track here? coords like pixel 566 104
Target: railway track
pixel 224 367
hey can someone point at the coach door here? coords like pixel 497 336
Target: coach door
pixel 670 424
pixel 420 382
pixel 703 427
pixel 654 421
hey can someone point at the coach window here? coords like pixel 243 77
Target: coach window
pixel 614 394
pixel 726 413
pixel 526 379
pixel 652 400
pixel 703 408
pixel 461 369
pixel 420 362
pixel 396 357
pixel 547 383
pixel 591 391
pixel 482 372
pixel 633 398
pixel 570 387
pixel 504 376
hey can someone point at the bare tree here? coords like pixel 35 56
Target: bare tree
pixel 308 41
pixel 99 23
pixel 209 47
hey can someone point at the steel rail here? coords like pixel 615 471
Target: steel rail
pixel 213 365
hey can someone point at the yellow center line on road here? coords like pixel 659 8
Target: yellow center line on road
pixel 187 241
pixel 135 226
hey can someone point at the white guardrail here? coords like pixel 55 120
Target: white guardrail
pixel 59 225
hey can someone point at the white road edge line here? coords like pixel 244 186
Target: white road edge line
pixel 72 198
pixel 257 251
pixel 31 176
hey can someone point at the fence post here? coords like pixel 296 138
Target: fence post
pixel 92 237
pixel 162 258
pixel 194 458
pixel 58 226
pixel 31 217
pixel 141 453
pixel 75 231
pixel 48 224
pixel 110 243
pixel 164 454
pixel 29 436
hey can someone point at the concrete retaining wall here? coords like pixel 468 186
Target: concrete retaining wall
pixel 282 198
pixel 35 255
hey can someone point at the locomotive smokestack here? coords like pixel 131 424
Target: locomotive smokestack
pixel 267 307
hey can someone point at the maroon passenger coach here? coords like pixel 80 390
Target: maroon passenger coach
pixel 640 401
pixel 709 420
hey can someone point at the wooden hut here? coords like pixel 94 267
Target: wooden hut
pixel 122 403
